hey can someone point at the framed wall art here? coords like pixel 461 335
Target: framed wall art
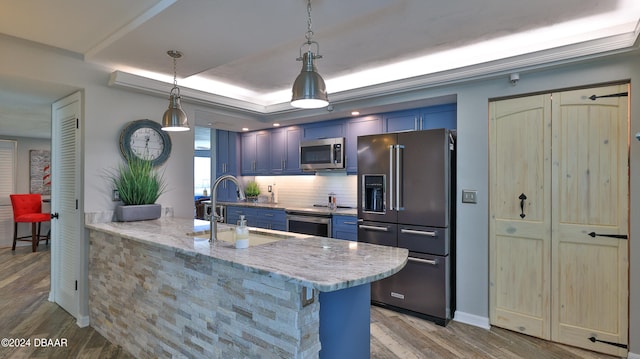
pixel 40 172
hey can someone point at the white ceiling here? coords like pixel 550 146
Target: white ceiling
pixel 242 52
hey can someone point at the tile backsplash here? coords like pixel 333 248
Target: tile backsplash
pixel 304 191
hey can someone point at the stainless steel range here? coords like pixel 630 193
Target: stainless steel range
pixel 405 199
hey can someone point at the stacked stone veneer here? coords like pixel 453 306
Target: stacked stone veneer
pixel 158 303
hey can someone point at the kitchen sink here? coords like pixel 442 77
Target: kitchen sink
pixel 256 236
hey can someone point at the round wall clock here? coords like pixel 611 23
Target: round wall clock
pixel 145 139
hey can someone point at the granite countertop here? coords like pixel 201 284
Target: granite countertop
pixel 340 211
pixel 326 264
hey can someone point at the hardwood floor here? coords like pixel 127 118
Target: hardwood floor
pixel 25 312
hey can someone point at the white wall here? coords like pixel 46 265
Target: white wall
pixel 108 109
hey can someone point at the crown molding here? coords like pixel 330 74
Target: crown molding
pixel 282 111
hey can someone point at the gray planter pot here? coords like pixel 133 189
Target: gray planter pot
pixel 138 212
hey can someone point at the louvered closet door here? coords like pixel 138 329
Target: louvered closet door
pixel 67 229
pixel 590 195
pixel 520 244
pixel 8 153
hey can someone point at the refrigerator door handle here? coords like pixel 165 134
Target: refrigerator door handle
pixel 374 228
pixel 420 233
pixel 391 177
pixel 433 262
pixel 399 199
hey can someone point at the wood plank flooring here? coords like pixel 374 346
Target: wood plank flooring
pixel 25 312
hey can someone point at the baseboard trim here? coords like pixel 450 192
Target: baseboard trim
pixel 83 321
pixel 631 355
pixel 472 319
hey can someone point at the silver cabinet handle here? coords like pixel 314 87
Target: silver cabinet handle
pixel 349 223
pixel 268 215
pixel 374 228
pixel 433 262
pixel 420 233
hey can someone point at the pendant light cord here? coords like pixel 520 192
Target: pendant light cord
pixel 175 55
pixel 309 36
pixel 309 33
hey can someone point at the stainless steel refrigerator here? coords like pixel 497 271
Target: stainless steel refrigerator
pixel 405 199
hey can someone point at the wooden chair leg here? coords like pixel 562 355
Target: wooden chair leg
pixel 15 235
pixel 34 239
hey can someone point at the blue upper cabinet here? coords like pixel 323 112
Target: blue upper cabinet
pixel 325 129
pixel 285 150
pixel 401 121
pixel 226 163
pixel 256 153
pixel 440 116
pixel 359 126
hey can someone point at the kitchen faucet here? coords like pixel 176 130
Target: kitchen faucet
pixel 214 224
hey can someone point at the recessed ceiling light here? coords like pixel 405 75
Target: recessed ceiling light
pixel 245 129
pixel 276 125
pixel 355 113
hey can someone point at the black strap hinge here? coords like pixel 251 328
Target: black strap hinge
pixel 594 339
pixel 619 236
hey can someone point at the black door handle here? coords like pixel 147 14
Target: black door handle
pixel 619 236
pixel 54 215
pixel 522 198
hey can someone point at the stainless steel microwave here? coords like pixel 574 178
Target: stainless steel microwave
pixel 322 154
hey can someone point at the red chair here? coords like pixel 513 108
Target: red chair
pixel 27 208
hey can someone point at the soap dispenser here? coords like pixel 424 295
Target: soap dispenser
pixel 242 233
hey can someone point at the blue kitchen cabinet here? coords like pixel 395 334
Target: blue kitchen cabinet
pixel 359 126
pixel 344 227
pixel 271 218
pixel 250 214
pixel 256 153
pixel 325 129
pixel 285 150
pixel 226 163
pixel 440 116
pixel 401 121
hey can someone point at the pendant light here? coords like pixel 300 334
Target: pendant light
pixel 309 90
pixel 174 118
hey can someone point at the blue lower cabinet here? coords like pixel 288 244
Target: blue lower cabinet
pixel 250 214
pixel 272 219
pixel 345 320
pixel 344 227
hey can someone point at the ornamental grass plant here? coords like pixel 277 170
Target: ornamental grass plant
pixel 137 182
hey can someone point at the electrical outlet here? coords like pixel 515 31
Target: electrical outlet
pixel 116 195
pixel 269 188
pixel 469 196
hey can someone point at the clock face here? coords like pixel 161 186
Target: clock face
pixel 145 139
pixel 146 143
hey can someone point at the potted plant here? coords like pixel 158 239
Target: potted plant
pixel 139 185
pixel 252 190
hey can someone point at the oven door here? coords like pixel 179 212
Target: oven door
pixel 311 225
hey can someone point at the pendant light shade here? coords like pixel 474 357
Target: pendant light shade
pixel 309 90
pixel 174 118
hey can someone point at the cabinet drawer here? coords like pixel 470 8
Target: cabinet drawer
pixel 234 212
pixel 345 227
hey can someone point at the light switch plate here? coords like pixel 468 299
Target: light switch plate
pixel 469 196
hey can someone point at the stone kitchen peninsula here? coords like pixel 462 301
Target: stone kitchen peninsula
pixel 159 290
